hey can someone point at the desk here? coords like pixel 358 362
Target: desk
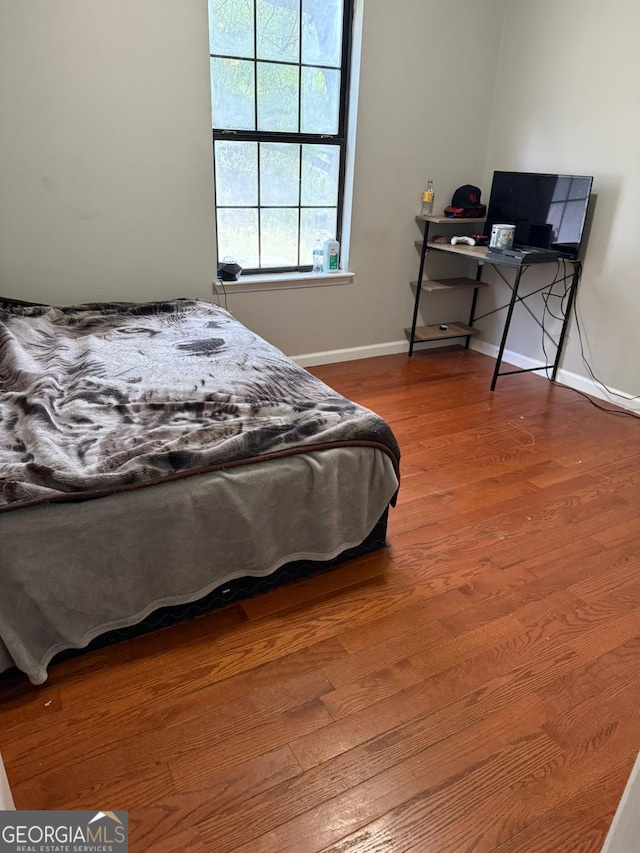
pixel 478 254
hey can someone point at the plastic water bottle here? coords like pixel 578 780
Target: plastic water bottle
pixel 318 255
pixel 428 198
pixel 331 258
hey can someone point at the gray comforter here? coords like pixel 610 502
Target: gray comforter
pixel 106 397
pixel 99 402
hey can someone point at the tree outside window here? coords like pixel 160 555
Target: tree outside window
pixel 279 82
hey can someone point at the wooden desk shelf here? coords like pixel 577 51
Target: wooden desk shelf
pixel 456 329
pixel 448 220
pixel 436 333
pixel 449 284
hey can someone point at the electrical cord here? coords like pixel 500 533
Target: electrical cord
pixel 563 277
pixel 520 299
pixel 622 412
pixel 563 297
pixel 599 382
pixel 549 294
pixel 219 283
pixel 544 348
pixel 546 310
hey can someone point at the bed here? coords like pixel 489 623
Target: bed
pixel 159 459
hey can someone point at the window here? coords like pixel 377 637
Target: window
pixel 279 84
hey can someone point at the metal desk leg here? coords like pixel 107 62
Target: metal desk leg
pixel 423 254
pixel 507 322
pixel 565 322
pixel 473 304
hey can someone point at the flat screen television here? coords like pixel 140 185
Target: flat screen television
pixel 549 211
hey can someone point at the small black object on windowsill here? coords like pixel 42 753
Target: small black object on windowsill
pixel 229 270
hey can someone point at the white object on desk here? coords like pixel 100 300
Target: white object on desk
pixel 502 236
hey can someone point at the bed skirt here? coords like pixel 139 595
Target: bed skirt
pixel 77 573
pixel 236 590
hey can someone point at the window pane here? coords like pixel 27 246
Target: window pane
pixel 278 28
pixel 320 100
pixel 315 222
pixel 231 27
pixel 279 237
pixel 232 94
pixel 279 174
pixel 276 72
pixel 320 167
pixel 236 173
pixel 238 235
pixel 322 32
pixel 278 97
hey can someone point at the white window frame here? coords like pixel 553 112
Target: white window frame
pixel 268 278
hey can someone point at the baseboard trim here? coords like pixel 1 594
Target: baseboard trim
pixel 6 800
pixel 311 359
pixel 515 359
pixel 625 827
pixel 588 386
pixel 565 377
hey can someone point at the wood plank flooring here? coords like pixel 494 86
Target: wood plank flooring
pixel 474 687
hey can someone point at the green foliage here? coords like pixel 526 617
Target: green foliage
pixel 259 77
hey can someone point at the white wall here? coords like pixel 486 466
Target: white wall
pixel 106 185
pixel 105 150
pixel 567 100
pixel 625 826
pixel 426 82
pixel 105 157
pixel 6 800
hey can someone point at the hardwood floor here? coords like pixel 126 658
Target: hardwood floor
pixel 474 687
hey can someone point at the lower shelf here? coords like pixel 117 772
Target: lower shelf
pixel 449 284
pixel 439 332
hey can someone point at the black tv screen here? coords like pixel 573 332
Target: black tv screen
pixel 549 211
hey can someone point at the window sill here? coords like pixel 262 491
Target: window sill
pixel 282 281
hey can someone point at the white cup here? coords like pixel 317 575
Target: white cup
pixel 502 236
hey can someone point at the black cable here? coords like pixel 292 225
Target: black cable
pixel 565 279
pixel 545 299
pixel 219 283
pixel 549 294
pixel 567 288
pixel 546 310
pixel 520 299
pixel 623 412
pixel 544 349
pixel 588 366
